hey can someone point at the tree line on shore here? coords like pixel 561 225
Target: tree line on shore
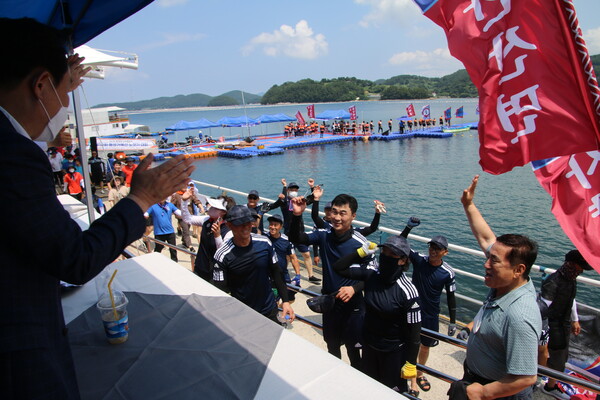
pixel 401 87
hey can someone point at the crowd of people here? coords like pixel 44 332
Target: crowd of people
pixel 375 310
pixel 340 127
pixel 370 306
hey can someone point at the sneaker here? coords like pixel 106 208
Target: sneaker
pixel 555 392
pixel 314 279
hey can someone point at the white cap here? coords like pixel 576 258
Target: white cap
pixel 217 203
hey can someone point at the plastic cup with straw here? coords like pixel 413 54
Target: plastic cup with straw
pixel 113 311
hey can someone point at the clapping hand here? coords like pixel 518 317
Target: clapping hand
pixel 151 185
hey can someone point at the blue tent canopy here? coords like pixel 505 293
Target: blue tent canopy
pixel 333 114
pixel 266 118
pixel 237 121
pixel 85 18
pixel 405 118
pixel 187 125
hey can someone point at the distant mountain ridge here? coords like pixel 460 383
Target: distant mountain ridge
pixel 457 84
pixel 233 97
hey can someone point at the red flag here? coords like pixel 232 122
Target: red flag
pixel 410 110
pixel 538 95
pixel 300 118
pixel 311 111
pixel 352 111
pixel 574 184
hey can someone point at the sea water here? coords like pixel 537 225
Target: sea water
pixel 421 177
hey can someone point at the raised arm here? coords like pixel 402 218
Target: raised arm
pixel 297 233
pixel 367 230
pixel 412 222
pixel 481 230
pixel 318 221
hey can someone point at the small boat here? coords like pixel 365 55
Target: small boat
pixel 456 129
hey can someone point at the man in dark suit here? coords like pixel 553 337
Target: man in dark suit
pixel 40 244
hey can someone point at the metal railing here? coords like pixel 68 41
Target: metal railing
pixel 460 249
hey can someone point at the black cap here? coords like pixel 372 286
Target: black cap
pixel 276 218
pixel 328 205
pixel 253 193
pixel 576 257
pixel 293 184
pixel 440 241
pixel 398 244
pixel 321 304
pixel 239 215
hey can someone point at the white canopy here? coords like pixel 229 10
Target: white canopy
pixel 98 60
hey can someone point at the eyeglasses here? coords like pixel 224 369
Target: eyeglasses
pixel 252 198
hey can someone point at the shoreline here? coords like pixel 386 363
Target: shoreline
pixel 257 105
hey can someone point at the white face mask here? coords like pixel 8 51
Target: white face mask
pixel 292 194
pixel 56 123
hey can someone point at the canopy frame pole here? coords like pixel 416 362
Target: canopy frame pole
pixel 87 181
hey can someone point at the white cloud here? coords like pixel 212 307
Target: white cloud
pixel 295 42
pixel 592 40
pixel 172 38
pixel 389 11
pixel 433 63
pixel 170 3
pixel 124 75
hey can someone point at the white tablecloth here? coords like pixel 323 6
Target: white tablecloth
pixel 297 369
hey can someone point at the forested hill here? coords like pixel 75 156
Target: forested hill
pixel 457 84
pixel 231 98
pixel 402 87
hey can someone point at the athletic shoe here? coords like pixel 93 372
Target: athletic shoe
pixel 555 392
pixel 314 279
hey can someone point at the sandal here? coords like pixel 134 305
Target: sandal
pixel 423 383
pixel 414 393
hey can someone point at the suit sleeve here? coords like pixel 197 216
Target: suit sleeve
pixel 38 221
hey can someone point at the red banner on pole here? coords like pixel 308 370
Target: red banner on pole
pixel 538 94
pixel 352 111
pixel 574 184
pixel 311 111
pixel 300 118
pixel 410 110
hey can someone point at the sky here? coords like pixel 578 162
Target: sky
pixel 214 46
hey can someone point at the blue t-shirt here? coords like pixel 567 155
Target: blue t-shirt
pixel 161 218
pixel 246 272
pixel 430 281
pixel 283 248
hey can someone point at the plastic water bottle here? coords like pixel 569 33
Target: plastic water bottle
pixel 284 320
